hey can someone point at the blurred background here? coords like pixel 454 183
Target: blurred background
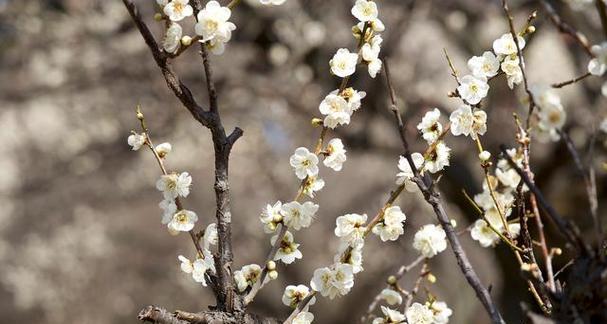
pixel 80 233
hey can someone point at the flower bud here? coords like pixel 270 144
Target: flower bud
pixel 431 278
pixel 484 156
pixel 392 280
pixel 531 29
pixel 271 265
pixel 186 40
pixel 158 16
pixel 273 275
pixel 453 223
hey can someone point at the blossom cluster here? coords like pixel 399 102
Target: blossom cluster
pixel 550 113
pixel 212 27
pixel 432 312
pixel 496 201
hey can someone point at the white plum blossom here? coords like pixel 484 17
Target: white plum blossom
pixel 505 44
pixel 473 89
pixel 172 38
pixel 430 126
pixel 173 185
pixel 391 316
pixel 442 312
pixel 486 237
pixel 438 159
pixel 509 178
pixel 354 98
pixel 296 215
pixel 247 276
pixel 419 314
pixel 271 217
pixel 312 185
pixel 406 174
pixel 304 162
pixel 183 221
pixel 350 227
pixel 354 257
pixel 466 122
pixel 136 141
pixel 484 66
pixel 391 296
pixel 336 110
pixel 272 2
pixel 213 23
pixel 294 294
pixel 163 149
pixel 551 115
pixel 365 10
pixel 200 267
pixel 370 54
pixel 287 251
pixel 513 71
pixel 343 63
pixel 210 236
pixel 303 317
pixel 333 282
pixel 391 225
pixel 216 46
pixel 598 65
pixel 430 240
pixel 169 208
pixel 176 10
pixel 186 265
pixel 336 155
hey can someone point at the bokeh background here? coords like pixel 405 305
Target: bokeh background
pixel 80 233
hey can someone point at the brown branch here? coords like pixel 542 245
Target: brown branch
pixel 433 198
pixel 566 228
pixel 602 10
pixel 159 315
pixel 227 299
pixel 574 80
pixel 565 28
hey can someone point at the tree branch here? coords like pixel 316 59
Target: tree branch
pixel 433 198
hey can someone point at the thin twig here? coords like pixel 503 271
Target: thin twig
pixel 572 81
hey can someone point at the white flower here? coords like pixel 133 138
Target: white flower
pixel 484 66
pixel 186 265
pixel 272 2
pixel 287 252
pixel 430 240
pixel 172 38
pixel 473 89
pixel 486 237
pixel 513 71
pixel 271 217
pixel 136 140
pixel 336 155
pixel 365 10
pixel 295 294
pixel 183 221
pixel 213 23
pixel 505 44
pixel 438 159
pixel 391 296
pixel 312 185
pixel 216 46
pixel 508 178
pixel 333 282
pixel 406 174
pixel 173 185
pixel 303 318
pixel 336 109
pixel 163 149
pixel 430 126
pixel 419 314
pixel 354 257
pixel 598 65
pixel 210 236
pixel 296 215
pixel 343 63
pixel 390 317
pixel 391 226
pixel 169 208
pixel 350 227
pixel 200 267
pixel 370 54
pixel 304 162
pixel 247 276
pixel 176 10
pixel 551 117
pixel 466 122
pixel 442 312
pixel 354 98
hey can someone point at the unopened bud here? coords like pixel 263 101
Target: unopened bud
pixel 453 223
pixel 317 122
pixel 186 40
pixel 431 278
pixel 158 16
pixel 484 156
pixel 271 265
pixel 392 280
pixel 531 29
pixel 557 251
pixel 273 274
